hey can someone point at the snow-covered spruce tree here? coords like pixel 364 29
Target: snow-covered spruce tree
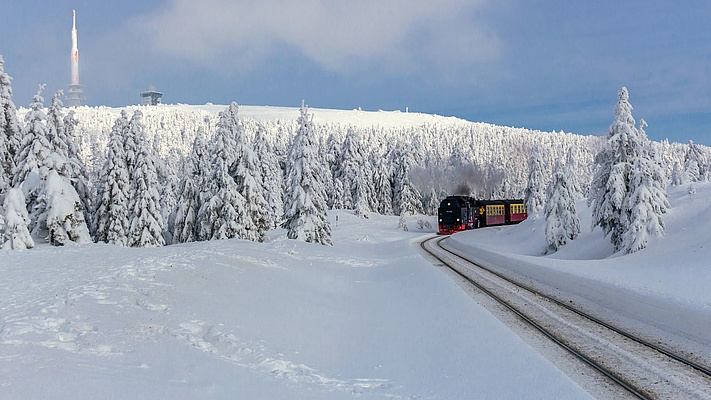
pixel 383 186
pixel 248 177
pixel 16 235
pixel 571 172
pixel 562 222
pixel 694 164
pixel 431 203
pixel 34 150
pixel 355 174
pixel 535 195
pixel 647 200
pixel 111 219
pixel 338 195
pixel 406 197
pixel 10 132
pixel 62 218
pixel 305 198
pixel 184 217
pixel 62 140
pixel 224 214
pixel 331 157
pixel 146 221
pixel 612 191
pixel 195 169
pixel 272 177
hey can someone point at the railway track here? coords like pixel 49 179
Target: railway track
pixel 640 368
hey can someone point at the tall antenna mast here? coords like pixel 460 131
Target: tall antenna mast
pixel 75 91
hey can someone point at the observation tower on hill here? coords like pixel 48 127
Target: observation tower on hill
pixel 74 95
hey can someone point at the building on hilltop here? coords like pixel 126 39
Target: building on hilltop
pixel 150 97
pixel 74 95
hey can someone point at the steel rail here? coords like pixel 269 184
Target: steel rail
pixel 559 341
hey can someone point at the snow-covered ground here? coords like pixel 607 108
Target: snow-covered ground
pixel 366 318
pixel 663 291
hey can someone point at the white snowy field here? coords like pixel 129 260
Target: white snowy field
pixel 366 318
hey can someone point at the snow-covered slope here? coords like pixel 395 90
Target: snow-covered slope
pixel 366 318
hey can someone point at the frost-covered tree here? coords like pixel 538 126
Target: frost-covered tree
pixel 571 171
pixel 184 225
pixel 622 166
pixel 354 171
pixel 60 212
pixel 248 178
pixel 694 164
pixel 16 235
pixel 305 198
pixel 10 132
pixel 111 221
pixel 272 177
pixel 338 195
pixel 222 214
pixel 562 222
pixel 190 197
pixel 535 194
pixel 35 151
pixel 407 197
pixel 431 203
pixel 146 220
pixel 647 200
pixel 383 186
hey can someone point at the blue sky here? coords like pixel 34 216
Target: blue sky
pixel 548 65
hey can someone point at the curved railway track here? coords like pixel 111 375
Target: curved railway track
pixel 642 369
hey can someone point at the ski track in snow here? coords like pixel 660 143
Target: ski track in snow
pixel 55 321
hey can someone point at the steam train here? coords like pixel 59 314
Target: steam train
pixel 460 213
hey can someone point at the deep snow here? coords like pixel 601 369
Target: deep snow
pixel 367 318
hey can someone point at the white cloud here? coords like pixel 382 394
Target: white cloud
pixel 340 36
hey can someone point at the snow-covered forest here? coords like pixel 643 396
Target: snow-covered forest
pixel 156 175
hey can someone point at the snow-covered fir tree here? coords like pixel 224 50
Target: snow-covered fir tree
pixel 111 220
pixel 16 234
pixel 226 209
pixel 355 174
pixel 63 141
pixel 272 177
pixel 646 200
pixel 248 178
pixel 535 194
pixel 625 168
pixel 338 195
pixel 10 132
pixel 694 164
pixel 35 150
pixel 222 214
pixel 571 171
pixel 195 167
pixel 383 186
pixel 431 203
pixel 305 215
pixel 60 213
pixel 146 220
pixel 406 197
pixel 331 158
pixel 184 217
pixel 562 222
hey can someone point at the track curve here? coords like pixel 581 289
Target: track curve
pixel 632 362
